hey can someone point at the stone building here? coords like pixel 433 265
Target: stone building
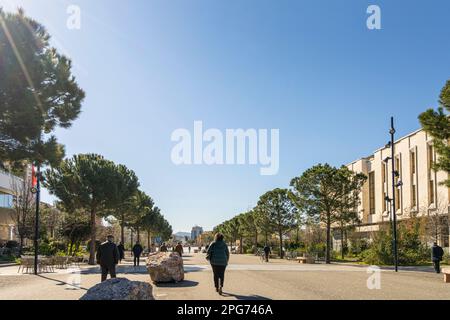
pixel 420 191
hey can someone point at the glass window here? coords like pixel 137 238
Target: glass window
pixel 6 201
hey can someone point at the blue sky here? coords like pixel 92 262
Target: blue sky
pixel 311 69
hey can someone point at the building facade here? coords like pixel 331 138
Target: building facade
pixel 7 224
pixel 195 232
pixel 419 191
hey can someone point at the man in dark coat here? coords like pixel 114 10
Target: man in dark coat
pixel 121 249
pixel 267 251
pixel 163 248
pixel 108 257
pixel 436 256
pixel 179 249
pixel 137 250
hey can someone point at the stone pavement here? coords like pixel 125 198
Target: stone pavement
pixel 246 278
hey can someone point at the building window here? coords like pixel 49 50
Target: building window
pixel 6 201
pixel 431 191
pixel 383 179
pixel 413 170
pixel 372 192
pixel 397 180
pixel 430 157
pixel 413 162
pixel 413 196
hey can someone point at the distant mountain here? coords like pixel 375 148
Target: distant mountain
pixel 183 234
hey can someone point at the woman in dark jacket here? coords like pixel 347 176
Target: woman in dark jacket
pixel 121 249
pixel 218 255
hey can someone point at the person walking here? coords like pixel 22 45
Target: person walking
pixel 137 250
pixel 267 252
pixel 108 257
pixel 163 248
pixel 189 248
pixel 121 249
pixel 179 249
pixel 218 255
pixel 436 256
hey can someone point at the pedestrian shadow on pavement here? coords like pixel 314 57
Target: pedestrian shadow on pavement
pixel 181 284
pixel 63 283
pixel 119 269
pixel 243 297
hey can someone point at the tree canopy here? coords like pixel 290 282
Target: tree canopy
pixel 437 124
pixel 38 92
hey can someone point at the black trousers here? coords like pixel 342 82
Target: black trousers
pixel 136 260
pixel 437 266
pixel 219 275
pixel 108 269
pixel 266 255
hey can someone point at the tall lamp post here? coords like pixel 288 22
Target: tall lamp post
pixel 394 185
pixel 36 223
pixel 36 189
pixel 390 202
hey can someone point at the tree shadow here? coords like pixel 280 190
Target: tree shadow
pixel 121 269
pixel 63 283
pixel 243 297
pixel 181 284
pixel 190 268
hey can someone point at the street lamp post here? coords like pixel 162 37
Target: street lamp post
pixel 36 223
pixel 394 173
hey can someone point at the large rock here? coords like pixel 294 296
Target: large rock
pixel 165 267
pixel 120 289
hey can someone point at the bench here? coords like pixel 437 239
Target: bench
pixel 304 260
pixel 446 272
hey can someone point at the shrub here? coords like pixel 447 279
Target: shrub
pixel 410 249
pixel 11 244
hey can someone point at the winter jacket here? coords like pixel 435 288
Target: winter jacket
pixel 437 253
pixel 137 249
pixel 108 254
pixel 218 253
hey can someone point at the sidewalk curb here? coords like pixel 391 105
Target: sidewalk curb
pixel 2 265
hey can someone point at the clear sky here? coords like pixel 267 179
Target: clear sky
pixel 311 69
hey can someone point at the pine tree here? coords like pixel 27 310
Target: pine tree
pixel 437 124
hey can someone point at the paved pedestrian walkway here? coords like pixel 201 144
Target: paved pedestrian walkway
pixel 246 278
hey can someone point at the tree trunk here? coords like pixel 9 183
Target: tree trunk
pixel 122 229
pixel 21 243
pixel 148 240
pixel 328 249
pixel 280 234
pixel 131 238
pixel 256 241
pixel 93 236
pixel 342 242
pixel 71 248
pixel 138 234
pixel 240 245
